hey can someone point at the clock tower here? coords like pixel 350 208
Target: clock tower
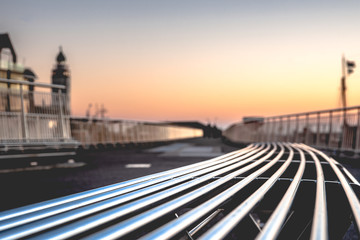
pixel 61 76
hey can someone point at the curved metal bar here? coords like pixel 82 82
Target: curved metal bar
pixel 319 229
pixel 72 198
pixel 62 200
pixel 224 227
pixel 139 202
pixel 273 226
pixel 90 209
pixel 103 205
pixel 348 174
pixel 352 198
pixel 131 224
pixel 101 218
pixel 171 229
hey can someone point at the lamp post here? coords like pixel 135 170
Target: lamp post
pixel 347 69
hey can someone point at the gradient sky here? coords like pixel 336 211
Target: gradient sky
pixel 192 60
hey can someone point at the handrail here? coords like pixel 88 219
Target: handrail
pixel 314 112
pixel 37 84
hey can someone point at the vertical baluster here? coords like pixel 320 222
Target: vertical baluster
pixel 296 128
pixel 306 141
pixel 318 130
pixel 61 116
pixel 288 129
pixel 24 126
pixel 357 145
pixel 330 129
pixel 343 139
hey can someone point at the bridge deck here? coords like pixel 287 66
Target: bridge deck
pixel 265 190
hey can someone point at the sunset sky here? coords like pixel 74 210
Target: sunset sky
pixel 192 60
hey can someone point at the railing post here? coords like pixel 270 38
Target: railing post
pixel 357 146
pixel 268 131
pixel 259 132
pixel 24 126
pixel 38 134
pixel 343 136
pixel 330 129
pixel 297 128
pixel 272 129
pixel 318 130
pixel 288 129
pixel 61 116
pixel 103 132
pixel 274 138
pixel 307 129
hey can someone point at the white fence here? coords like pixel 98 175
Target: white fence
pixel 108 131
pixel 43 117
pixel 28 116
pixel 334 129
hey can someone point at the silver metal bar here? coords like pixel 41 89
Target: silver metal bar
pixel 55 202
pixel 349 175
pixel 357 143
pixel 172 228
pixel 82 225
pixel 274 224
pixel 223 228
pixel 306 135
pixel 318 129
pixel 352 198
pixel 297 128
pixel 330 128
pixel 319 229
pixel 61 117
pixel 131 224
pixel 288 130
pixel 37 84
pixel 80 212
pixel 156 196
pixel 24 127
pixel 320 111
pixel 204 222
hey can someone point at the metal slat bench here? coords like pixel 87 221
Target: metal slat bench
pixel 264 191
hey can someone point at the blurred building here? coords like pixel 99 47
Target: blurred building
pixel 11 69
pixel 61 76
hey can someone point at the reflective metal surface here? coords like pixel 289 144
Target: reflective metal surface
pixel 264 191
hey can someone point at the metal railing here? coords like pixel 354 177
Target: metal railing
pixel 28 116
pixel 263 191
pixel 90 131
pixel 332 129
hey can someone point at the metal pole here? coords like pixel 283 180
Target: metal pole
pixel 343 138
pixel 330 129
pixel 307 129
pixel 297 128
pixel 357 145
pixel 318 130
pixel 61 116
pixel 288 129
pixel 24 126
pixel 280 138
pixel 343 82
pixel 273 129
pixel 38 126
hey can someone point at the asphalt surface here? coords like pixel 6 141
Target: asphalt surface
pixel 40 181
